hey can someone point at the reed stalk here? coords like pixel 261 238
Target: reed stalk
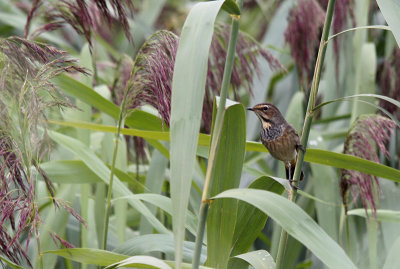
pixel 307 122
pixel 110 185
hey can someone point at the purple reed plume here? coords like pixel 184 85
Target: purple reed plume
pixel 58 240
pixel 389 82
pixel 26 97
pixel 152 74
pixel 16 198
pixel 82 15
pixel 303 35
pixel 367 133
pixel 344 9
pixel 154 65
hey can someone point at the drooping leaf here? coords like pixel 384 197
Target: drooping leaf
pixel 384 215
pixel 89 256
pixel 69 172
pixel 140 262
pixel 259 259
pixel 100 257
pixel 231 7
pixel 56 222
pixel 251 220
pixel 146 244
pixel 103 172
pixel 319 156
pixel 296 222
pixel 10 263
pixel 136 119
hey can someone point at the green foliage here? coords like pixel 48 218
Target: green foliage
pixel 89 256
pixel 186 105
pixel 250 221
pixel 296 222
pixel 226 175
pixel 258 259
pixel 390 9
pixel 183 177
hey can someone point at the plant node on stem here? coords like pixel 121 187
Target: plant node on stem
pixel 307 121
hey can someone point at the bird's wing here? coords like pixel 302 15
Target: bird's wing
pixel 292 132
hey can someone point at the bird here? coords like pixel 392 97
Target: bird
pixel 279 137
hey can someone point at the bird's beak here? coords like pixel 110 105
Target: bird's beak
pixel 250 108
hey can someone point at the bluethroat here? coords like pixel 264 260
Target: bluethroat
pixel 279 137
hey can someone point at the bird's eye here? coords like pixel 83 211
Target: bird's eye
pixel 265 108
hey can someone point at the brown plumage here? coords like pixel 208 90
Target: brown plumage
pixel 278 136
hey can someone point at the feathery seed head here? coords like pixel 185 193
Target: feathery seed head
pixel 154 65
pixel 302 34
pixel 389 82
pixel 27 94
pixel 342 12
pixel 366 134
pixel 82 15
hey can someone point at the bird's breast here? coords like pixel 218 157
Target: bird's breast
pixel 283 147
pixel 271 133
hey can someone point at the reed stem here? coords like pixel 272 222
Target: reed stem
pixel 110 185
pixel 307 122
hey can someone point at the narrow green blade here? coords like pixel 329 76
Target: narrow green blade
pixel 89 255
pixel 140 262
pixel 381 214
pixel 150 243
pixel 56 222
pixel 319 156
pixel 103 172
pixel 136 119
pixel 10 263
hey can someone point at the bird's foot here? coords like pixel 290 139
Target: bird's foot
pixel 300 147
pixel 291 181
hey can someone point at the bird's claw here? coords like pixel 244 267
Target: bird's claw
pixel 300 147
pixel 291 181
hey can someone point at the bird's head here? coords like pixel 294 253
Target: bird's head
pixel 268 114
